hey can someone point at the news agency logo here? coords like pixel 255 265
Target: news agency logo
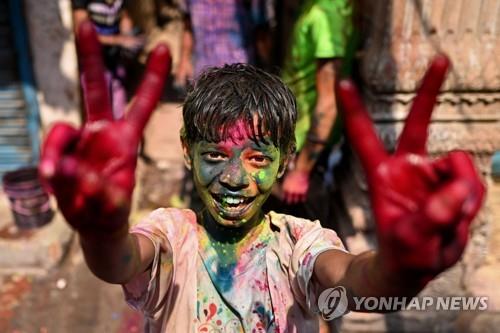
pixel 333 303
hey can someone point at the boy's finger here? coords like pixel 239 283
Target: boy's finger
pixel 60 138
pixel 414 136
pixel 453 251
pixel 359 127
pixel 462 167
pixel 90 183
pixel 93 78
pixel 445 206
pixel 64 182
pixel 151 87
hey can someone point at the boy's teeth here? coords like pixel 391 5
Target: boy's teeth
pixel 232 201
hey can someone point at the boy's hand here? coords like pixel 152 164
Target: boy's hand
pixel 91 170
pixel 422 206
pixel 295 186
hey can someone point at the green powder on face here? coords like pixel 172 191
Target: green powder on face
pixel 261 176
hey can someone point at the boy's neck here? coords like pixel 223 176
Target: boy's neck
pixel 228 235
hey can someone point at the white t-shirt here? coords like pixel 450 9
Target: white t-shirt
pixel 270 290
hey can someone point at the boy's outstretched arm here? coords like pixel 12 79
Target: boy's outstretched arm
pixel 91 170
pixel 422 206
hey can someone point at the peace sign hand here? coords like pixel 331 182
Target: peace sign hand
pixel 422 206
pixel 91 170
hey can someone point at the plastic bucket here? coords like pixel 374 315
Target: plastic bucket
pixel 29 202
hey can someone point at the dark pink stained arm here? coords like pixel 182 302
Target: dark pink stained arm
pixel 422 206
pixel 91 170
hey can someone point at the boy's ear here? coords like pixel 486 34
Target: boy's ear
pixel 289 157
pixel 284 166
pixel 187 154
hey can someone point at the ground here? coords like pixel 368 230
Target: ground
pixel 68 299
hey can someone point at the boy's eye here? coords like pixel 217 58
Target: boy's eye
pixel 260 160
pixel 213 156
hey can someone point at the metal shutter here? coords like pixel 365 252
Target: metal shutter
pixel 19 120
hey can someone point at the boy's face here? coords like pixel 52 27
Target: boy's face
pixel 234 177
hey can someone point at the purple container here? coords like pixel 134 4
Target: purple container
pixel 29 202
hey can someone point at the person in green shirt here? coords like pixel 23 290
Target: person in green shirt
pixel 319 42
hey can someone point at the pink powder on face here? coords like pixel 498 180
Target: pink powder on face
pixel 239 132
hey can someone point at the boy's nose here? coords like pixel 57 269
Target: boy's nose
pixel 234 176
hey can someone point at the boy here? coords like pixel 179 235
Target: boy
pixel 230 267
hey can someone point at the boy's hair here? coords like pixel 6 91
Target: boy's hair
pixel 223 96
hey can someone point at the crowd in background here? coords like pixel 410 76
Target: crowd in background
pixel 306 42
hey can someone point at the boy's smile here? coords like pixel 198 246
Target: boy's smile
pixel 234 177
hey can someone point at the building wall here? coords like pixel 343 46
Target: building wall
pixel 401 37
pixel 54 60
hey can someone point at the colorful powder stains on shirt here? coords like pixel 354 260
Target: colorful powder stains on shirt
pixel 233 292
pixel 183 297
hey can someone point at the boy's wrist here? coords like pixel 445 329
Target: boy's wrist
pixel 397 281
